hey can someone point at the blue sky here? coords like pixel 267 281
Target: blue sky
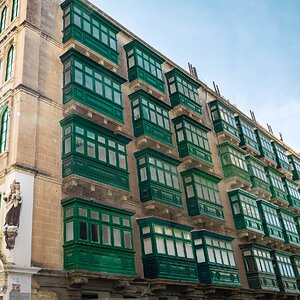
pixel 250 48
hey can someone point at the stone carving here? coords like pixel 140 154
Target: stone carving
pixel 12 218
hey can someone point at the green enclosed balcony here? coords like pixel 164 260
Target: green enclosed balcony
pixel 158 180
pixel 151 122
pixel 224 122
pixel 282 160
pixel 297 220
pixel 295 167
pixel 93 157
pixel 203 196
pixel 247 136
pixel 89 32
pixel 259 267
pixel 284 272
pixel 289 227
pixel 271 223
pixel 215 259
pixel 167 250
pixel 90 89
pixel 97 238
pixel 279 195
pixel 296 266
pixel 145 68
pixel 246 214
pixel 234 165
pixel 193 144
pixel 259 180
pixel 267 154
pixel 293 193
pixel 183 91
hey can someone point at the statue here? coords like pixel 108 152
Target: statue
pixel 13 207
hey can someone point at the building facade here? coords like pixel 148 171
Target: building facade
pixel 124 176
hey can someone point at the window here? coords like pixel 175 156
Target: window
pixel 249 207
pixel 94 27
pixel 292 189
pixel 263 261
pixel 3 132
pixel 112 229
pixel 3 19
pixel 248 131
pixel 232 156
pixel 92 144
pixel 151 111
pixel 167 240
pixel 266 146
pixel 136 57
pixel 289 223
pixel 205 188
pixel 258 170
pixel 284 266
pixel 281 154
pixel 271 216
pixel 178 84
pixel 192 134
pixel 276 181
pixel 10 62
pixel 160 171
pixel 219 250
pixel 14 12
pixel 93 79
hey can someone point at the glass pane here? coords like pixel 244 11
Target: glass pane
pixel 148 246
pixel 83 230
pixel 117 237
pixel 67 145
pixel 127 240
pixel 95 233
pixel 189 251
pixel 170 247
pixel 180 249
pixel 200 255
pixel 102 153
pixel 79 145
pixel 112 158
pixel 160 245
pixel 69 231
pixel 91 148
pixel 106 238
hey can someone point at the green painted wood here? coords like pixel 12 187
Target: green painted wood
pixel 155 190
pixel 179 96
pixel 295 166
pixel 259 268
pixel 201 204
pixel 96 100
pixel 233 161
pixel 245 211
pixel 223 118
pixel 214 272
pixel 289 227
pixel 257 173
pixel 271 223
pixel 281 158
pixel 276 184
pixel 286 283
pixel 87 33
pixel 164 265
pixel 142 122
pixel 293 194
pixel 246 133
pixel 89 167
pixel 265 146
pixel 138 72
pixel 94 255
pixel 198 149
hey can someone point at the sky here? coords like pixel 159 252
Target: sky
pixel 250 48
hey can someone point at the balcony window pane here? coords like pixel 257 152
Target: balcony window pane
pixel 69 231
pixel 83 230
pixel 106 237
pixel 79 145
pixel 117 237
pixel 200 255
pixel 170 247
pixel 160 245
pixel 95 233
pixel 127 240
pixel 148 246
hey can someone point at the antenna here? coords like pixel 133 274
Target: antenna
pixel 270 128
pixel 218 90
pixel 193 70
pixel 281 137
pixel 253 116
